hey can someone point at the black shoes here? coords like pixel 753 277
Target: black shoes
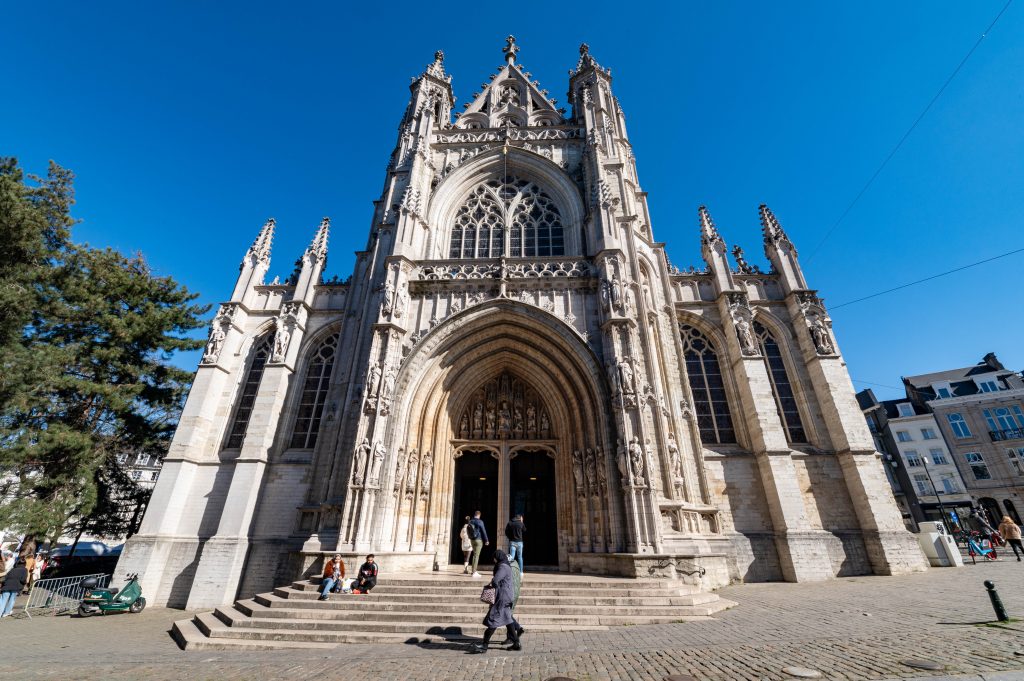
pixel 477 648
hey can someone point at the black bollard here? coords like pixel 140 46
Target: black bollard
pixel 997 603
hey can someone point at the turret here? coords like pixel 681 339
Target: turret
pixel 713 248
pixel 254 265
pixel 781 253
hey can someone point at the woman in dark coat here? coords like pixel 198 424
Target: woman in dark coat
pixel 499 614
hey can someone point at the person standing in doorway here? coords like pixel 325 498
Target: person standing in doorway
pixel 478 539
pixel 467 546
pixel 515 531
pixel 1010 531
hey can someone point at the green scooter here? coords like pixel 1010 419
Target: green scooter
pixel 102 600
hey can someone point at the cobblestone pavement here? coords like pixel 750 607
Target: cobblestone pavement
pixel 855 628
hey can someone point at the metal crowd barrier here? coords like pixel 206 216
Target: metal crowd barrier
pixel 59 594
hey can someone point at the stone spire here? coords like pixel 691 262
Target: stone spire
pixel 510 49
pixel 260 249
pixel 437 68
pixel 255 264
pixel 781 253
pixel 772 230
pixel 318 248
pixel 714 251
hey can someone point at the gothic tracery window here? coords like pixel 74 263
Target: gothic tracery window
pixel 710 402
pixel 243 410
pixel 314 394
pixel 782 389
pixel 518 208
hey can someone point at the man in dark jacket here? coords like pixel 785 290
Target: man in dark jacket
pixel 478 538
pixel 514 531
pixel 367 577
pixel 14 582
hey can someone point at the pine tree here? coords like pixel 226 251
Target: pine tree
pixel 84 356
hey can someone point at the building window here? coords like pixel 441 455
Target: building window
pixel 928 434
pixel 903 436
pixel 1005 419
pixel 988 386
pixel 142 460
pixel 314 394
pixel 949 485
pixel 921 481
pixel 136 475
pixel 1020 415
pixel 782 389
pixel 154 476
pixel 1016 457
pixel 121 458
pixel 905 409
pixel 243 410
pixel 938 457
pixel 978 466
pixel 959 426
pixel 943 393
pixel 518 207
pixel 913 460
pixel 710 403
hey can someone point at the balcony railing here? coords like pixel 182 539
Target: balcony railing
pixel 1010 434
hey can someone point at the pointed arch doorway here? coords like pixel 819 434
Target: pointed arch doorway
pixel 505 451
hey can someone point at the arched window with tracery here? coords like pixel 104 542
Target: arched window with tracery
pixel 243 409
pixel 314 394
pixel 710 402
pixel 515 207
pixel 782 389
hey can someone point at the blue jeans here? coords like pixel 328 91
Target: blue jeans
pixel 515 552
pixel 7 602
pixel 328 584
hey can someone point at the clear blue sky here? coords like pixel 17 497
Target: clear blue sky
pixel 188 124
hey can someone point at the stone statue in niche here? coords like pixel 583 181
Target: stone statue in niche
pixel 517 421
pixel 531 418
pixel 464 426
pixel 478 419
pixel 373 379
pixel 636 457
pixel 622 462
pixel 591 461
pixel 686 409
pixel 387 304
pixel 626 377
pixel 378 460
pixel 362 453
pixel 281 338
pixel 413 468
pixel 400 469
pixel 504 420
pixel 545 425
pixel 602 481
pixel 748 346
pixel 401 301
pixel 490 421
pixel 675 458
pixel 214 345
pixel 389 384
pixel 819 334
pixel 426 472
pixel 577 469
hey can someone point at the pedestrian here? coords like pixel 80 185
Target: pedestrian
pixel 334 572
pixel 467 545
pixel 478 539
pixel 517 581
pixel 13 583
pixel 1010 531
pixel 367 577
pixel 515 531
pixel 30 566
pixel 499 614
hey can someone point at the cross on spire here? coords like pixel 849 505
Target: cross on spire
pixel 510 49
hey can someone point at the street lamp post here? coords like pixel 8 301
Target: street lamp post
pixel 938 496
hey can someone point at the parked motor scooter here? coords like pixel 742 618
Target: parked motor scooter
pixel 102 600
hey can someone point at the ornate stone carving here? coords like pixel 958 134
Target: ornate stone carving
pixel 637 455
pixel 590 460
pixel 281 338
pixel 496 412
pixel 426 472
pixel 577 471
pixel 215 344
pixel 675 458
pixel 742 318
pixel 445 270
pixel 813 311
pixel 741 262
pixel 378 460
pixel 413 471
pixel 400 469
pixel 622 462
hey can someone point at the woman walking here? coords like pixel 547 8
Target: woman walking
pixel 1010 531
pixel 467 545
pixel 499 614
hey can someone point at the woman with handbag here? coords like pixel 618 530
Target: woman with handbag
pixel 500 594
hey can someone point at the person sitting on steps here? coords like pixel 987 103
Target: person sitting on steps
pixel 367 578
pixel 334 572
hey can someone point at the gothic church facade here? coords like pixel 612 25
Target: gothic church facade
pixel 513 339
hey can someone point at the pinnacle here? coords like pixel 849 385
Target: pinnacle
pixel 708 231
pixel 770 226
pixel 260 249
pixel 318 248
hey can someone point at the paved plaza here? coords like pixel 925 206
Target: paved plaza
pixel 854 628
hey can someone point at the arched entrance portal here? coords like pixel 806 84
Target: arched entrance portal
pixel 507 422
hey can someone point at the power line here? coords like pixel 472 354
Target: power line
pixel 903 139
pixel 920 281
pixel 880 385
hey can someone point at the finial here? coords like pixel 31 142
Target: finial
pixel 439 56
pixel 260 249
pixel 510 49
pixel 584 49
pixel 318 248
pixel 437 68
pixel 770 227
pixel 708 231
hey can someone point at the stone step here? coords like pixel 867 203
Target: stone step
pixel 473 592
pixel 189 636
pixel 466 582
pixel 378 601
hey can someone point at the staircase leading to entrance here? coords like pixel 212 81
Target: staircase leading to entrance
pixel 439 607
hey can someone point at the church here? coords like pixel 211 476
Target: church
pixel 514 340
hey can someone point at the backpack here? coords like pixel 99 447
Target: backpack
pixel 472 531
